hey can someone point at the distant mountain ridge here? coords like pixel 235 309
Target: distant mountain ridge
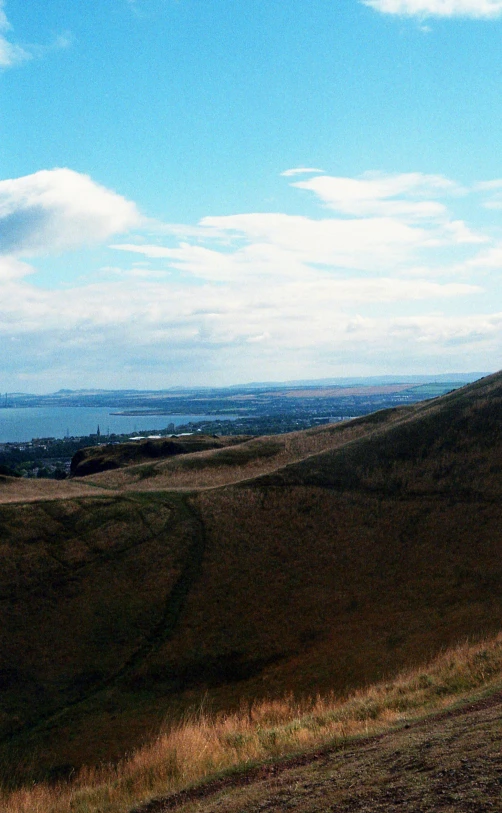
pixel 304 382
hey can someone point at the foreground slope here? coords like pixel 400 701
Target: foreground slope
pixel 324 560
pixel 210 761
pixel 451 762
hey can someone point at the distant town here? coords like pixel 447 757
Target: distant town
pixel 259 409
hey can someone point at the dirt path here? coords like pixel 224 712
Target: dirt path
pixel 451 762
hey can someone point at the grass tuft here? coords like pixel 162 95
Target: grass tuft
pixel 203 746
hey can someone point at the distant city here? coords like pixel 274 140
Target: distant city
pixel 254 409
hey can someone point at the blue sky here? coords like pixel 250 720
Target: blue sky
pixel 205 192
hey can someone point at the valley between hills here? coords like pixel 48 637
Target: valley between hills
pixel 240 571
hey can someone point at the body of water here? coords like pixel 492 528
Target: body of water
pixel 18 424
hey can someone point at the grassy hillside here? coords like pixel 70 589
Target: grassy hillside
pixel 215 762
pixel 238 459
pixel 319 561
pixel 448 446
pixel 115 456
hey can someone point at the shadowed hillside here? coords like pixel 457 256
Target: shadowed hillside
pixel 450 445
pixel 321 560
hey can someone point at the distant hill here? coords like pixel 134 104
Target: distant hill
pixel 307 562
pixel 106 457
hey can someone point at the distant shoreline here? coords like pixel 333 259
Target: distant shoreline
pixel 135 413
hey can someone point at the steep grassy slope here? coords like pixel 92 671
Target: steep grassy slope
pixel 356 560
pixel 86 587
pixel 359 549
pixel 448 446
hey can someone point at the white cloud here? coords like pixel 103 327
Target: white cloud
pixel 271 246
pixel 289 173
pixel 494 192
pixel 11 54
pixel 185 231
pixel 145 249
pixel 489 259
pixel 484 185
pixel 59 209
pixel 10 269
pixel 298 314
pixel 370 242
pixel 441 329
pixel 376 194
pixel 480 9
pixel 250 295
pixel 155 335
pixel 282 246
pixel 287 284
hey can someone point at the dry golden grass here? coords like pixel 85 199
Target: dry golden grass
pixel 214 468
pixel 204 746
pixel 14 490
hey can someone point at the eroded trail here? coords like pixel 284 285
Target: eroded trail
pixel 449 762
pixel 153 525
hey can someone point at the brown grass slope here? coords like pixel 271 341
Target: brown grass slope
pixel 107 457
pixel 450 445
pixel 450 762
pixel 238 459
pixel 358 560
pixel 209 762
pixel 322 574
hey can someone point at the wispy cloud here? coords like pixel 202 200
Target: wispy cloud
pixel 13 269
pixel 477 9
pixel 289 173
pixel 12 53
pixel 492 192
pixel 377 194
